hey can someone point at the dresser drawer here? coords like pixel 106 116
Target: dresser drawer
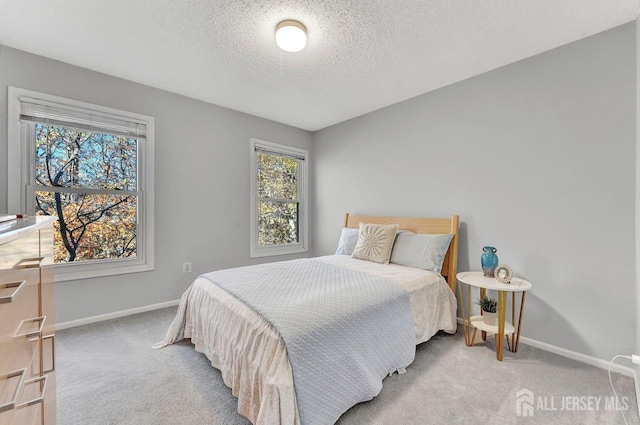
pixel 46 245
pixel 18 250
pixel 23 305
pixel 10 385
pixel 18 355
pixel 32 397
pixel 23 387
pixel 47 299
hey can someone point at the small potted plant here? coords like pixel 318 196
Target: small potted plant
pixel 489 308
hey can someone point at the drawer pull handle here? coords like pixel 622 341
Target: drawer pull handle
pixel 43 388
pixel 31 334
pixel 29 263
pixel 52 337
pixel 12 404
pixel 17 287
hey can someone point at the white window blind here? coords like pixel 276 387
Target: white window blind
pixel 284 154
pixel 51 113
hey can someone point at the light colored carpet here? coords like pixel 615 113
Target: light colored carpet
pixel 107 374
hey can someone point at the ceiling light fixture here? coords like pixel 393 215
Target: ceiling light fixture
pixel 291 36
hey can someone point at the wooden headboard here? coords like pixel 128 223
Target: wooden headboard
pixel 421 225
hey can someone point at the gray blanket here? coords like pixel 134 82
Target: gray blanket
pixel 344 330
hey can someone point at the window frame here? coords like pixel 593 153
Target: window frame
pixel 21 179
pixel 256 250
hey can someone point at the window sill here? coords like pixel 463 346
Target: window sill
pixel 270 252
pixel 65 272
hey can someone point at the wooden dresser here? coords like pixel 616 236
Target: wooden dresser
pixel 27 323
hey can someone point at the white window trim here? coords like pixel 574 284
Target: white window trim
pixel 18 178
pixel 303 226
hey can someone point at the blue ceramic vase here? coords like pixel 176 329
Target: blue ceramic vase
pixel 489 261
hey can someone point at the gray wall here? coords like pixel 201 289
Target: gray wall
pixel 537 157
pixel 201 180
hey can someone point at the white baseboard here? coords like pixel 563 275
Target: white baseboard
pixel 114 315
pixel 574 355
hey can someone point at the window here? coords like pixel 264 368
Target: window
pixel 92 168
pixel 278 199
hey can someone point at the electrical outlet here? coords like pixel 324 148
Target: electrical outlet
pixel 186 267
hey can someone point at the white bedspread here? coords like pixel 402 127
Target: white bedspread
pixel 433 304
pixel 344 329
pixel 251 354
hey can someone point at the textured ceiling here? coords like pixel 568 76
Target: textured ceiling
pixel 360 56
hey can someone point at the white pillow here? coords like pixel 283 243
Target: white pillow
pixel 348 240
pixel 375 242
pixel 422 251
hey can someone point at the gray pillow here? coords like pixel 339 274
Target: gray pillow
pixel 348 240
pixel 422 251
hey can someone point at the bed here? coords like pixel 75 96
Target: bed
pixel 253 356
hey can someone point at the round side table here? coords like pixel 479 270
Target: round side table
pixel 478 280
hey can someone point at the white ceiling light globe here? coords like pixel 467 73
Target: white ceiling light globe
pixel 291 36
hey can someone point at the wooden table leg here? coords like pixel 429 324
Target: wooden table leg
pixel 469 343
pixel 460 301
pixel 515 348
pixel 466 323
pixel 512 342
pixel 502 306
pixel 483 293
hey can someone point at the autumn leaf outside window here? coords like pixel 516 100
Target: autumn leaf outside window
pixel 89 181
